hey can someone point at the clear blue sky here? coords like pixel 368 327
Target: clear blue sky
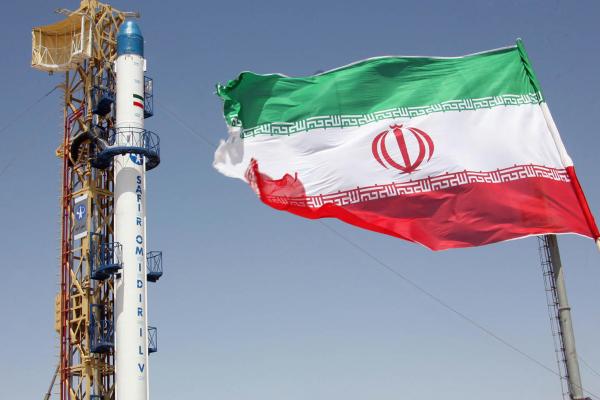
pixel 257 304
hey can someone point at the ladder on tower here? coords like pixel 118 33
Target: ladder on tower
pixel 553 308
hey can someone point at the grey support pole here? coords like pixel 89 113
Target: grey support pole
pixel 566 324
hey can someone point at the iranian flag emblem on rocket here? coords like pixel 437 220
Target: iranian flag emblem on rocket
pixel 138 100
pixel 445 152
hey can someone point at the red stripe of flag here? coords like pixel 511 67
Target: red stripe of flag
pixel 138 104
pixel 472 214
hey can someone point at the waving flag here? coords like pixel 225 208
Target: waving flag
pixel 446 152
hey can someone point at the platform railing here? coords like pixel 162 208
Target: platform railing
pixel 152 339
pixel 154 265
pixel 148 97
pixel 105 258
pixel 130 140
pixel 101 331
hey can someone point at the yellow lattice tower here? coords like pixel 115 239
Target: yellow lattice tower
pixel 83 46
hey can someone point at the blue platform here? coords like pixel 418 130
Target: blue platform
pixel 102 100
pixel 148 97
pixel 152 340
pixel 154 266
pixel 101 330
pixel 130 140
pixel 105 258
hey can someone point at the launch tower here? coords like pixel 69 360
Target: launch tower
pixel 101 313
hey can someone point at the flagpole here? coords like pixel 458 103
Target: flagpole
pixel 564 310
pixel 565 322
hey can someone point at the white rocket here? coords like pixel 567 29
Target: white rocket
pixel 131 327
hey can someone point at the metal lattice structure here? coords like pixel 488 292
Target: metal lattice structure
pixel 560 319
pixel 84 305
pixel 552 302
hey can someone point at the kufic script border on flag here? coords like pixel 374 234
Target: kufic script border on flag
pixel 347 121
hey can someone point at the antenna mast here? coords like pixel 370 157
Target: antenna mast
pixel 560 317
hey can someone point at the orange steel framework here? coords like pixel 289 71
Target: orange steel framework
pixel 84 47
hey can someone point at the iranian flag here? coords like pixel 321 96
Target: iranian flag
pixel 446 152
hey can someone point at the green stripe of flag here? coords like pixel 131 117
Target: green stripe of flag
pixel 137 96
pixel 375 85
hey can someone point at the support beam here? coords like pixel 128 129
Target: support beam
pixel 49 392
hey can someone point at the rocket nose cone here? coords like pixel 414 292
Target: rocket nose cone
pixel 130 28
pixel 130 39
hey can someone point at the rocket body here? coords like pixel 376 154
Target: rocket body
pixel 131 327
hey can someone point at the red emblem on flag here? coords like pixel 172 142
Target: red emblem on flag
pixel 412 155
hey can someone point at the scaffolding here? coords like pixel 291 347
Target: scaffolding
pixel 83 46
